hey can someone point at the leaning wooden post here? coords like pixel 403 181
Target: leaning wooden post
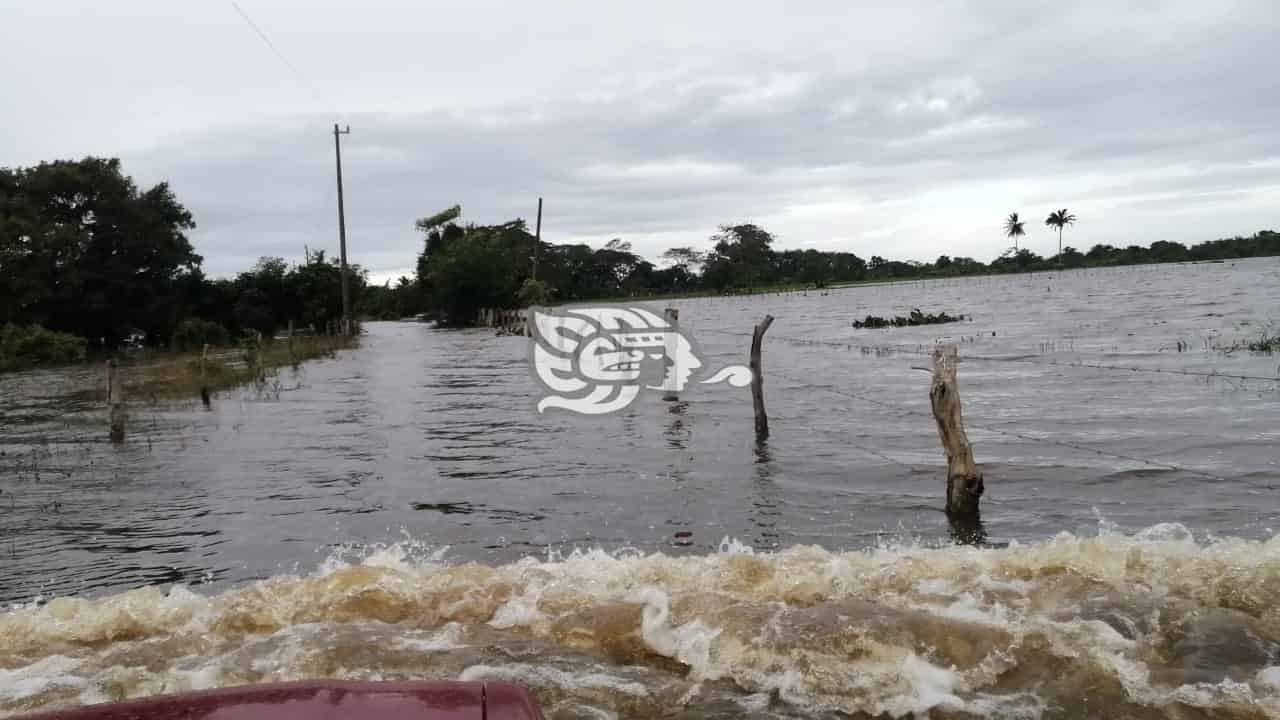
pixel 204 375
pixel 672 375
pixel 757 378
pixel 964 479
pixel 115 402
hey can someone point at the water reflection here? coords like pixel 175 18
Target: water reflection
pixel 678 434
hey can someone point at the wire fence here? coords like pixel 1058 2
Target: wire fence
pixel 926 351
pixel 920 350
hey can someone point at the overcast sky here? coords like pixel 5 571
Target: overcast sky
pixel 907 130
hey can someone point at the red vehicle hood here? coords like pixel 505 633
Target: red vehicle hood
pixel 324 700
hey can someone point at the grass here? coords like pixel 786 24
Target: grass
pixel 1265 343
pixel 175 376
pixel 1268 341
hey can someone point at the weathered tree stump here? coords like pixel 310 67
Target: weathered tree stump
pixel 757 378
pixel 964 479
pixel 672 316
pixel 117 416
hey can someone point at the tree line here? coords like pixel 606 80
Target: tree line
pixel 466 267
pixel 90 260
pixel 86 253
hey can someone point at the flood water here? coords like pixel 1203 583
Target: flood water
pixel 402 511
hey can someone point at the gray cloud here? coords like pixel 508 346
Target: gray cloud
pixel 907 132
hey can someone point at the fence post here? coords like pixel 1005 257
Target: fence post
pixel 116 414
pixel 757 378
pixel 964 479
pixel 259 374
pixel 671 377
pixel 204 377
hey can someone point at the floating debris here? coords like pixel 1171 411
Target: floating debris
pixel 915 318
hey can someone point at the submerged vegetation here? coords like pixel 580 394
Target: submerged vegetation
pixel 183 375
pixel 915 318
pixel 1267 341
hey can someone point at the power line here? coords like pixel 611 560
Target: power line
pixel 276 51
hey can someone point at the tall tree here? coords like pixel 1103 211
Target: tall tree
pixel 84 251
pixel 742 257
pixel 685 257
pixel 1060 219
pixel 483 268
pixel 1013 229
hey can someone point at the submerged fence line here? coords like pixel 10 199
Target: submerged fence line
pixel 908 412
pixel 1022 359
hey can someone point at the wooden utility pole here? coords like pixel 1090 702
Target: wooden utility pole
pixel 964 479
pixel 342 232
pixel 537 239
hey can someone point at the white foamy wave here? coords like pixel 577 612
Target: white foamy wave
pixel 1154 624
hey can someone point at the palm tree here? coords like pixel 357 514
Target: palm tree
pixel 1060 220
pixel 1013 229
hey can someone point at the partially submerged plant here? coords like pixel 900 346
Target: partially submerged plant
pixel 915 318
pixel 1266 342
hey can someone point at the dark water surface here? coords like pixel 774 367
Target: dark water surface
pixel 363 488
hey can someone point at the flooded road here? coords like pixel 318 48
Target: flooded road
pixel 402 511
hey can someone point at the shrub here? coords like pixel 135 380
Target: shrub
pixel 34 346
pixel 1265 343
pixel 194 333
pixel 533 292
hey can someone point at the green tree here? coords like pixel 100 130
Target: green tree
pixel 533 293
pixel 313 292
pixel 83 251
pixel 1060 219
pixel 1022 260
pixel 742 257
pixel 685 257
pixel 484 268
pixel 1013 229
pixel 432 222
pixel 1164 251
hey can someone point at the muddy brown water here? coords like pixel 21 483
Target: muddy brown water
pixel 401 511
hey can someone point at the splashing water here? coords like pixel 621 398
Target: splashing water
pixel 1153 624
